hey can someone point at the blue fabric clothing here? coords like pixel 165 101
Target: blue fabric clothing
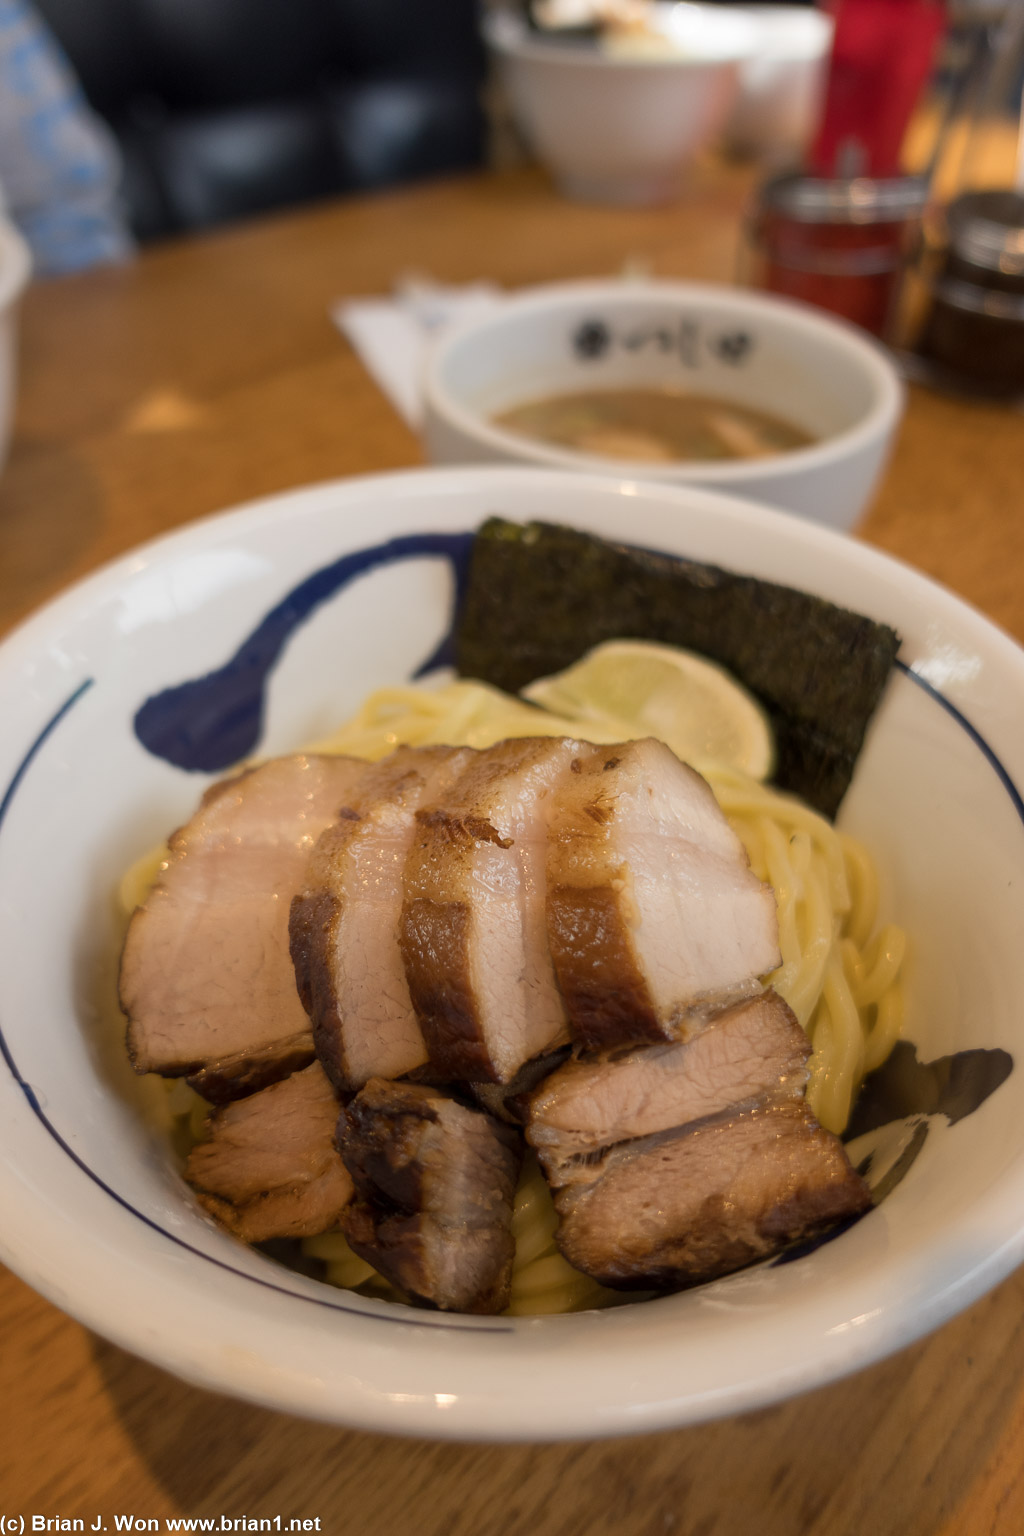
pixel 59 164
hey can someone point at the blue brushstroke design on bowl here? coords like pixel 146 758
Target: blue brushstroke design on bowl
pixel 208 723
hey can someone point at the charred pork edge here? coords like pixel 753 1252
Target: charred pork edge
pixel 312 930
pixel 434 938
pixel 384 1224
pixel 376 1177
pixel 604 991
pixel 390 1240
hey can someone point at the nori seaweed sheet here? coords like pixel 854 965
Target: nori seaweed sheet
pixel 539 595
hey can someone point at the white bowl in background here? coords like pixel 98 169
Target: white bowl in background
pixel 15 270
pixel 622 129
pixel 93 1212
pixel 772 354
pixel 782 85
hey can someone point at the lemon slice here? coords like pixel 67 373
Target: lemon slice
pixel 695 707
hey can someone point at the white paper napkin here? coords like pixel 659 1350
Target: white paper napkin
pixel 392 335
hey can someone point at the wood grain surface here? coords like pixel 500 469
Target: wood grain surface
pixel 208 372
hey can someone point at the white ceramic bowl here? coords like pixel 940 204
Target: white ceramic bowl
pixel 615 129
pixel 757 350
pixel 15 269
pixel 782 84
pixel 92 1210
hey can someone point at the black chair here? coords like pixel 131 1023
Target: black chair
pixel 228 108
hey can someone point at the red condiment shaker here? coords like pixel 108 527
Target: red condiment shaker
pixel 841 245
pixel 881 59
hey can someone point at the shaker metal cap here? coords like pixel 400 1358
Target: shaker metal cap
pixel 856 200
pixel 986 229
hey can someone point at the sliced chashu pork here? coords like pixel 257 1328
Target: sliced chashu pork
pixel 268 1166
pixel 435 1181
pixel 344 925
pixel 673 1164
pixel 473 933
pixel 754 1050
pixel 653 912
pixel 688 1205
pixel 206 976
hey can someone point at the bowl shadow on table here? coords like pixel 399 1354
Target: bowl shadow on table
pixel 894 1450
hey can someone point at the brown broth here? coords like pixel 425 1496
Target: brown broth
pixel 656 425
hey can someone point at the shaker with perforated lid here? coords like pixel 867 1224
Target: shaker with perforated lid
pixel 839 234
pixel 963 321
pixel 838 243
pixel 973 334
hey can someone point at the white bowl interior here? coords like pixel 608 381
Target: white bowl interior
pixel 92 1210
pixel 704 32
pixel 790 31
pixel 710 343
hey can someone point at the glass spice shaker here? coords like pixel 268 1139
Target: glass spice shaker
pixel 972 336
pixel 840 244
pixel 962 320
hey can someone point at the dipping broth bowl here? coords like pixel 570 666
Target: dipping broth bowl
pixel 752 350
pixel 286 613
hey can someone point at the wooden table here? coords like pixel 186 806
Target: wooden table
pixel 210 372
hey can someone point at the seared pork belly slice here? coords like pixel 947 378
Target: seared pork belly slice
pixel 344 925
pixel 473 933
pixel 683 1207
pixel 435 1182
pixel 752 1051
pixel 269 1167
pixel 653 912
pixel 206 977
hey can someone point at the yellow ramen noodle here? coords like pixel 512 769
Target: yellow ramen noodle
pixel 840 975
